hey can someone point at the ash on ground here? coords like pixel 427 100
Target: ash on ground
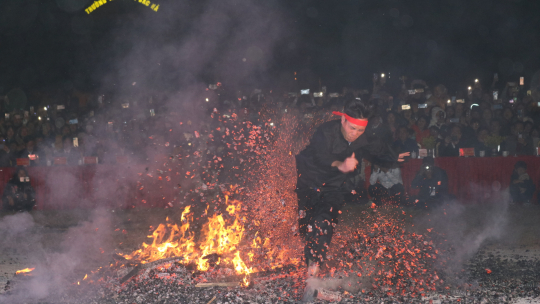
pixel 505 270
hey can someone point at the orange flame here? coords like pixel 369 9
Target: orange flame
pixel 24 270
pixel 217 237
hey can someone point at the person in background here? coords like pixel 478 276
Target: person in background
pixel 420 129
pixel 404 143
pixel 453 142
pixel 507 120
pixel 521 186
pixel 10 136
pixel 386 185
pixel 7 156
pixel 495 128
pixel 487 116
pixel 439 97
pixel 408 119
pixel 480 144
pixel 438 118
pixel 391 122
pixel 432 182
pixel 19 195
pixel 72 154
pixel 518 142
pixel 48 136
pixel 31 153
pixel 376 129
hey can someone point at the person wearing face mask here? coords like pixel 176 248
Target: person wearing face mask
pixel 326 169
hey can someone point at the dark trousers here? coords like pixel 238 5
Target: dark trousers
pixel 517 196
pixel 321 217
pixel 19 205
pixel 395 195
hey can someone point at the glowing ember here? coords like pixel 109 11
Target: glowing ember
pixel 26 270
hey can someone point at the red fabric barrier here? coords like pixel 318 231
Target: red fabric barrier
pixel 472 179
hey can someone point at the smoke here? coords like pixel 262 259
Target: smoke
pixel 464 229
pixel 56 267
pixel 163 61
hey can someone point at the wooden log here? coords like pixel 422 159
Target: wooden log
pixel 218 284
pixel 135 271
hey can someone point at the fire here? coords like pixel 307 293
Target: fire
pixel 218 237
pixel 24 270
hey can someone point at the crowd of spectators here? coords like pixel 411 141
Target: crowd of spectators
pixel 74 125
pixel 69 127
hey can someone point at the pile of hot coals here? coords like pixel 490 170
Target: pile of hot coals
pixel 379 261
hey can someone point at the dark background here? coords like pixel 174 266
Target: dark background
pixel 56 43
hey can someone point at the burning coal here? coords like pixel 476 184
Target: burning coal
pixel 26 270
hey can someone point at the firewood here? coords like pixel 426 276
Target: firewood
pixel 218 284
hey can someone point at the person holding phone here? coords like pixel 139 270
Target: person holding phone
pixel 327 169
pixel 71 153
pixel 432 183
pixel 31 152
pixel 405 143
pixel 453 141
pixel 440 97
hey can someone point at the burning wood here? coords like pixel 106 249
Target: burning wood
pixel 135 271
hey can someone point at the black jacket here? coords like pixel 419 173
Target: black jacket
pixel 314 163
pixel 16 189
pixel 438 180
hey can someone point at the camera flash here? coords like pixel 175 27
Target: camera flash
pixel 45 108
pixel 449 101
pixel 382 75
pixel 206 99
pixel 39 118
pixel 476 80
pixel 469 88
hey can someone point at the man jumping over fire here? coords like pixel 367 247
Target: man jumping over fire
pixel 326 170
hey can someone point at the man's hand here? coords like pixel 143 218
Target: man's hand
pixel 402 155
pixel 348 165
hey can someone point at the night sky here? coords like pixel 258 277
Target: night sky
pixel 261 43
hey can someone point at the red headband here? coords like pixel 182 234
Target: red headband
pixel 357 121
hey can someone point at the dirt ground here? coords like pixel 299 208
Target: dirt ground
pixel 500 230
